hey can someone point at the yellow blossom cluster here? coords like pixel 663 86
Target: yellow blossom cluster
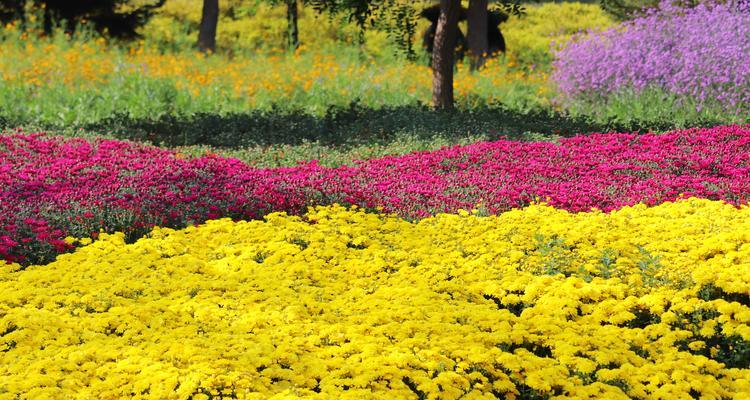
pixel 644 303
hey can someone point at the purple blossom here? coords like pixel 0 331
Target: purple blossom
pixel 700 53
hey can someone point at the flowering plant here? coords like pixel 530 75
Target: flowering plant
pixel 51 188
pixel 640 303
pixel 699 54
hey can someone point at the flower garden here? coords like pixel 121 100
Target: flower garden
pixel 631 281
pixel 598 265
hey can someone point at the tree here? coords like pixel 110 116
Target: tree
pixel 476 18
pixel 401 27
pixel 11 10
pixel 210 20
pixel 208 26
pixel 432 14
pixel 478 41
pixel 443 53
pixel 484 36
pixel 292 22
pixel 117 18
pixel 292 29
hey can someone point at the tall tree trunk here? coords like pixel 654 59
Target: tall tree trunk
pixel 477 37
pixel 19 12
pixel 47 21
pixel 443 54
pixel 292 29
pixel 209 22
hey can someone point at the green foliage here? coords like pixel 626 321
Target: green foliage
pixel 626 9
pixel 608 261
pixel 653 109
pixel 401 26
pixel 555 253
pixel 650 266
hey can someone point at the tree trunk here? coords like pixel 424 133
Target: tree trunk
pixel 443 54
pixel 292 29
pixel 19 12
pixel 209 22
pixel 47 21
pixel 478 43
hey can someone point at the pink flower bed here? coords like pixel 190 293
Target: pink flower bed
pixel 51 188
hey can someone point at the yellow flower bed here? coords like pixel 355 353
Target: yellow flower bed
pixel 534 303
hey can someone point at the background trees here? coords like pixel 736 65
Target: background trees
pixel 117 18
pixel 292 19
pixel 209 24
pixel 292 16
pixel 477 34
pixel 445 41
pixel 210 19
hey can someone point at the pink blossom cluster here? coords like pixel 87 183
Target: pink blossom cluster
pixel 51 188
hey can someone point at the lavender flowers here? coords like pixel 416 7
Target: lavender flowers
pixel 700 54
